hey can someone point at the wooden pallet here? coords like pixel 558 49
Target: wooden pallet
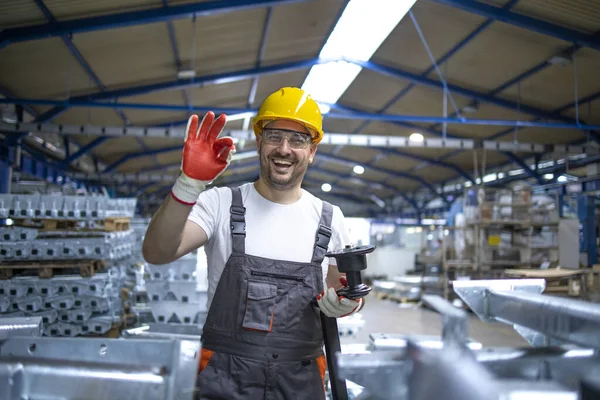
pixel 48 269
pixel 116 224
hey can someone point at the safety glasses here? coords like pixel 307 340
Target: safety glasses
pixel 296 140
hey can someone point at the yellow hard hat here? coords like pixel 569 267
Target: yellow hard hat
pixel 293 104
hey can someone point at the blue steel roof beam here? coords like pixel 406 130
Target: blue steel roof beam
pixel 386 171
pixel 525 22
pixel 125 19
pixel 82 151
pixel 261 53
pixel 484 97
pixel 176 57
pixel 182 84
pixel 439 61
pixel 409 155
pixel 526 167
pixel 78 56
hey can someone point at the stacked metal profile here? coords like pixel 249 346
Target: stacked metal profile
pixel 69 304
pixel 49 206
pixel 170 293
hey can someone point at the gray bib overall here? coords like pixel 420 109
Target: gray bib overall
pixel 262 338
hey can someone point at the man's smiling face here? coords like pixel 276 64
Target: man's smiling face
pixel 285 150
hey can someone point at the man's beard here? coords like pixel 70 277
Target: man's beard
pixel 280 181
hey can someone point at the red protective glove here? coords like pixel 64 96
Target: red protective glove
pixel 204 157
pixel 336 306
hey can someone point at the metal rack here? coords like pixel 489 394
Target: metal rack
pixel 501 229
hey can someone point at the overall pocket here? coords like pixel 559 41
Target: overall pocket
pixel 260 306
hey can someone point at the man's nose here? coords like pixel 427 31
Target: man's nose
pixel 284 147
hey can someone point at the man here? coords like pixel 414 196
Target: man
pixel 265 243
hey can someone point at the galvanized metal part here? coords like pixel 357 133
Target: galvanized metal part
pixel 175 311
pixel 455 322
pixel 24 326
pixel 98 369
pixel 65 207
pixel 556 318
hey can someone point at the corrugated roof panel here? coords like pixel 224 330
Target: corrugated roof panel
pixel 442 27
pixel 554 87
pixel 340 125
pixel 422 100
pixel 356 153
pixel 222 43
pixel 71 9
pixel 170 158
pixel 404 185
pixel 395 163
pixel 91 116
pixel 386 128
pixel 42 69
pixel 588 112
pixel 234 94
pixel 549 136
pixel 370 91
pixel 20 13
pixel 436 174
pixel 581 15
pixel 299 30
pixel 113 149
pixel 497 55
pixel 270 83
pixel 129 56
pixel 465 159
pixel 137 164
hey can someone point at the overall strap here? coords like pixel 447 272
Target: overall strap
pixel 323 234
pixel 238 222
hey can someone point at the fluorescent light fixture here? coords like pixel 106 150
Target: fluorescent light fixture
pixel 478 181
pixel 515 172
pixel 324 108
pixel 359 32
pixel 416 137
pixel 489 178
pixel 562 178
pixel 377 201
pixel 186 74
pixel 468 184
pixel 501 175
pixel 326 187
pixel 358 169
pixel 548 176
pixel 239 116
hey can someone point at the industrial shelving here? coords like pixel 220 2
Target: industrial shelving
pixel 500 229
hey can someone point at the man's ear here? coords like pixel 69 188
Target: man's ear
pixel 313 151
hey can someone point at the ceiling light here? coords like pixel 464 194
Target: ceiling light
pixel 358 169
pixel 239 116
pixel 561 61
pixel 186 74
pixel 326 187
pixel 562 178
pixel 358 33
pixel 324 108
pixel 415 137
pixel 548 176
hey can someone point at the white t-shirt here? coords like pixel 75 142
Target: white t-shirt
pixel 275 231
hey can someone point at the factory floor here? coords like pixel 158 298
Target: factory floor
pixel 383 316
